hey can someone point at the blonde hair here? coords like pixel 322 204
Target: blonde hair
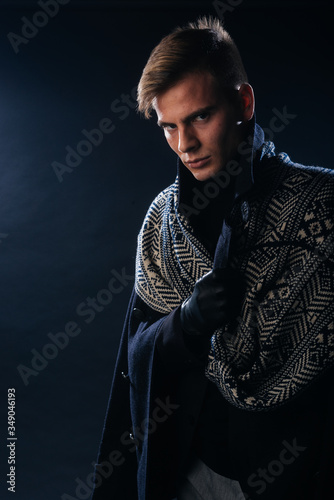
pixel 199 46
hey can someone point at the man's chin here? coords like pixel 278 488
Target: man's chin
pixel 204 174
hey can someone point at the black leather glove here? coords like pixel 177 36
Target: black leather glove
pixel 214 301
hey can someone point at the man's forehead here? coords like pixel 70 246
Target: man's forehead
pixel 193 92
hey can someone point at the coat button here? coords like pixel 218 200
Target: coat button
pixel 138 314
pixel 134 440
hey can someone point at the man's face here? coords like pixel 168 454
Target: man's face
pixel 200 125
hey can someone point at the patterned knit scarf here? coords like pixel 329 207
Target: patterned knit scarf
pixel 283 338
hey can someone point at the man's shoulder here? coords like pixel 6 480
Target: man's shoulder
pixel 286 174
pixel 311 171
pixel 317 181
pixel 159 202
pixel 155 212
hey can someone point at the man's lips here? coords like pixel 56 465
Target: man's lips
pixel 197 162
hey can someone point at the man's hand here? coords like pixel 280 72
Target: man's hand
pixel 212 303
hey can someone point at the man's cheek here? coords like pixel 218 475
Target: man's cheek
pixel 172 144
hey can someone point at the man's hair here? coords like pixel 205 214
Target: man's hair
pixel 202 46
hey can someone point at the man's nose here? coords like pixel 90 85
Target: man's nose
pixel 187 140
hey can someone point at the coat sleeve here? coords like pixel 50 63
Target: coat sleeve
pixel 153 356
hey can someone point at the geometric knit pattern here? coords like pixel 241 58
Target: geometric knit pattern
pixel 283 337
pixel 169 258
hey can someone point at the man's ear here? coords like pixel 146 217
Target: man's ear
pixel 247 101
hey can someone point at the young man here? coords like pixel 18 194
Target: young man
pixel 222 389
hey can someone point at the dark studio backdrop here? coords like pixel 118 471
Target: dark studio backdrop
pixel 78 169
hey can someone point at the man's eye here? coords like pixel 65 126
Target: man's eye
pixel 168 127
pixel 201 117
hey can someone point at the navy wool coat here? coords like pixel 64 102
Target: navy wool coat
pixel 156 398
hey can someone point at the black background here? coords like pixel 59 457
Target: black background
pixel 59 241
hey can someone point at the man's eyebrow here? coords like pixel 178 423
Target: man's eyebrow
pixel 190 117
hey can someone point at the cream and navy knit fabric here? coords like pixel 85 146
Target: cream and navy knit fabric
pixel 169 258
pixel 283 338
